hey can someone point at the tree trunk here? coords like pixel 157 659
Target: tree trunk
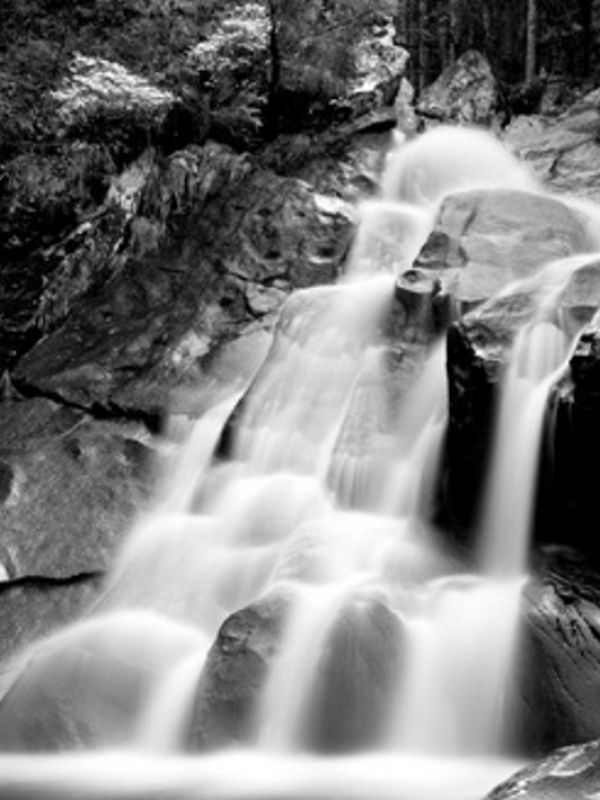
pixel 531 43
pixel 585 13
pixel 422 44
pixel 453 29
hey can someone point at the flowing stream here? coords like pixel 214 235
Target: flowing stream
pixel 387 679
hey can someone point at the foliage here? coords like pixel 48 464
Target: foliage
pixel 231 67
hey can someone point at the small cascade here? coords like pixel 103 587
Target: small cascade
pixel 539 358
pixel 461 638
pixel 282 716
pixel 298 404
pixel 163 728
pixel 537 363
pixel 412 467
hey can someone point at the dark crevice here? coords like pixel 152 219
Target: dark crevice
pixel 152 420
pixel 49 581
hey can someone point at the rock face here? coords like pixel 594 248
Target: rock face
pixel 558 698
pixel 568 492
pixel 564 152
pixel 356 669
pixel 570 773
pixel 216 245
pixel 481 242
pixel 235 672
pixel 69 487
pixel 87 685
pixel 465 93
pixel 357 672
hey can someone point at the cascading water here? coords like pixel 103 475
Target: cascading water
pixel 322 501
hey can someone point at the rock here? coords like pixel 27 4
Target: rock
pixel 478 347
pixel 102 100
pixel 356 675
pixel 484 239
pixel 34 607
pixel 567 503
pixel 563 151
pixel 465 93
pixel 570 773
pixel 87 685
pixel 235 672
pixel 357 668
pixel 215 246
pixel 70 487
pixel 558 697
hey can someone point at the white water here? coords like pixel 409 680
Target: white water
pixel 222 536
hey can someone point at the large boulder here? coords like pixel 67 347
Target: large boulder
pixel 235 673
pixel 570 773
pixel 481 242
pixel 567 501
pixel 466 93
pixel 69 488
pixel 479 346
pixel 558 679
pixel 356 669
pixel 214 248
pixel 89 684
pixel 564 152
pixel 357 673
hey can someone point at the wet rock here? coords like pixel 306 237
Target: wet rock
pixel 216 244
pixel 558 698
pixel 483 239
pixel 34 607
pixel 235 672
pixel 357 669
pixel 87 684
pixel 478 348
pixel 71 486
pixel 567 498
pixel 465 93
pixel 570 773
pixel 564 151
pixel 357 674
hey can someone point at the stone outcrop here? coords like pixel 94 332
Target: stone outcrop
pixel 87 685
pixel 564 152
pixel 558 683
pixel 214 248
pixel 570 773
pixel 478 348
pixel 69 488
pixel 567 501
pixel 465 93
pixel 235 672
pixel 357 668
pixel 481 242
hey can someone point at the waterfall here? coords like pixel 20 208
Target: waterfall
pixel 323 498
